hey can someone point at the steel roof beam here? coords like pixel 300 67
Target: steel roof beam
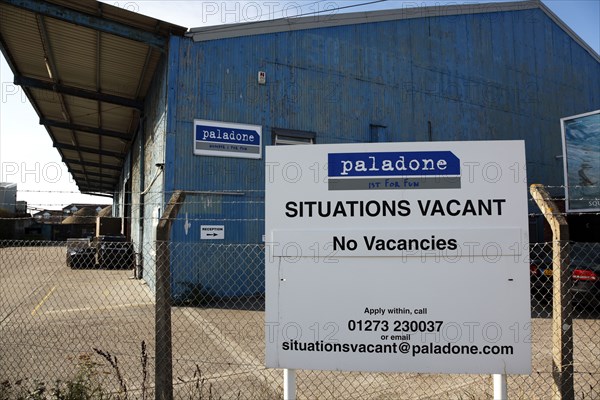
pixel 93 164
pixel 96 174
pixel 90 150
pixel 77 92
pixel 96 188
pixel 91 21
pixel 96 193
pixel 100 182
pixel 87 129
pixel 97 184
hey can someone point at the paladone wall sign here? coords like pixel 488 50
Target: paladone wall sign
pixel 399 257
pixel 226 139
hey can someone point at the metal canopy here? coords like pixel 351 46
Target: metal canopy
pixel 86 68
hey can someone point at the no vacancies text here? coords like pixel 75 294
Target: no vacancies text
pixel 374 243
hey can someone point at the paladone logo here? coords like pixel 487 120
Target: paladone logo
pixel 394 170
pixel 217 134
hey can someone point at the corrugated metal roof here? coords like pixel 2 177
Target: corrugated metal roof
pixel 330 20
pixel 86 68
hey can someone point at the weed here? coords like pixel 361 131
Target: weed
pixel 114 363
pixel 197 388
pixel 83 386
pixel 86 383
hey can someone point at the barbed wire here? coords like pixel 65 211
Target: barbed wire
pixel 198 202
pixel 182 217
pixel 237 189
pixel 190 201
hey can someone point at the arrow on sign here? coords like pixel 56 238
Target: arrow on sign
pixel 212 232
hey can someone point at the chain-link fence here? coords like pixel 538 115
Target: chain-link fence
pixel 75 319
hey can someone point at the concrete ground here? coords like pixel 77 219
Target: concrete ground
pixel 53 319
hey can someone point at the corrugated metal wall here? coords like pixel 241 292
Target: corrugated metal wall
pixel 136 189
pixel 507 75
pixel 148 150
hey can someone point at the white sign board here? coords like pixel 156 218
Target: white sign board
pixel 398 257
pixel 212 232
pixel 227 139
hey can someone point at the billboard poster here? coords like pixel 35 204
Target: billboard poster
pixel 581 158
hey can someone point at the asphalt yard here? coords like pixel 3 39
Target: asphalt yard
pixel 54 321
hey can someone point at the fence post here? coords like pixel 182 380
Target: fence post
pixel 162 323
pixel 562 319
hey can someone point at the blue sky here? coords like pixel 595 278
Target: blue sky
pixel 582 16
pixel 26 153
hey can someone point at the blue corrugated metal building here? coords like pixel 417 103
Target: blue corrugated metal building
pixel 489 71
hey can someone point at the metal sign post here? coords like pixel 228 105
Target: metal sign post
pixel 289 384
pixel 500 388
